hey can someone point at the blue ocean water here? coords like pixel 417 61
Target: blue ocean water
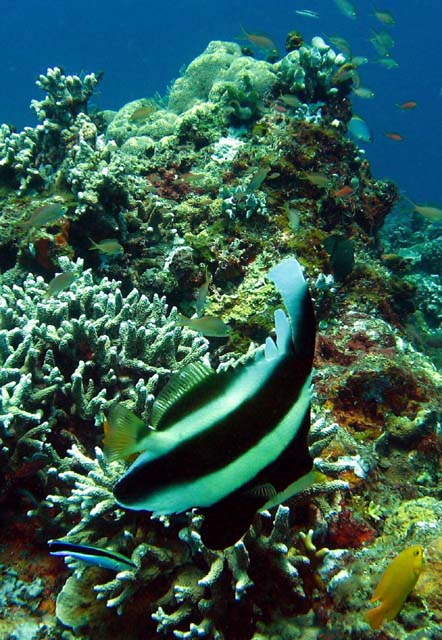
pixel 141 47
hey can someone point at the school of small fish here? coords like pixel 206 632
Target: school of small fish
pixel 382 42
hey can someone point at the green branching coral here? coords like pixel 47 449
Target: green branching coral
pixel 90 342
pixel 68 358
pixel 33 156
pixel 66 96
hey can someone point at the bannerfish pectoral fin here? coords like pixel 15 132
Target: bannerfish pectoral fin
pixel 123 433
pixel 264 490
pixel 299 485
pixel 178 386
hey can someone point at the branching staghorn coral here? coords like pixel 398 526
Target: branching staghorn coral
pixel 33 156
pixel 66 359
pixel 66 96
pixel 89 342
pixel 269 571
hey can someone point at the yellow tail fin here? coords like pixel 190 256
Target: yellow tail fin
pixel 375 617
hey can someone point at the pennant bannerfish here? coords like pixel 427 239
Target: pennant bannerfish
pixel 219 437
pixel 95 556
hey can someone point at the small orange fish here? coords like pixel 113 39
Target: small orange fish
pixel 260 40
pixel 395 585
pixel 410 104
pixel 394 136
pixel 344 192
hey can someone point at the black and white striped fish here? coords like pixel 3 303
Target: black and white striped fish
pixel 222 439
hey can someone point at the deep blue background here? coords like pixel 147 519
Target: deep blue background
pixel 141 46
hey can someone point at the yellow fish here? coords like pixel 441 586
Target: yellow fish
pixel 396 583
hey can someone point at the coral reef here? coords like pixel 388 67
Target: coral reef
pixel 244 162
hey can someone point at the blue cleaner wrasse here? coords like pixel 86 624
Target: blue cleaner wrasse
pixel 104 558
pixel 395 585
pixel 307 13
pixel 221 435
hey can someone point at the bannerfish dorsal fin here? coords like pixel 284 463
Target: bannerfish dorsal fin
pixel 288 279
pixel 178 386
pixel 283 337
pixel 283 330
pixel 124 432
pixel 271 350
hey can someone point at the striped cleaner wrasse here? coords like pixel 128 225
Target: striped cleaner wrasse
pixel 104 558
pixel 221 439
